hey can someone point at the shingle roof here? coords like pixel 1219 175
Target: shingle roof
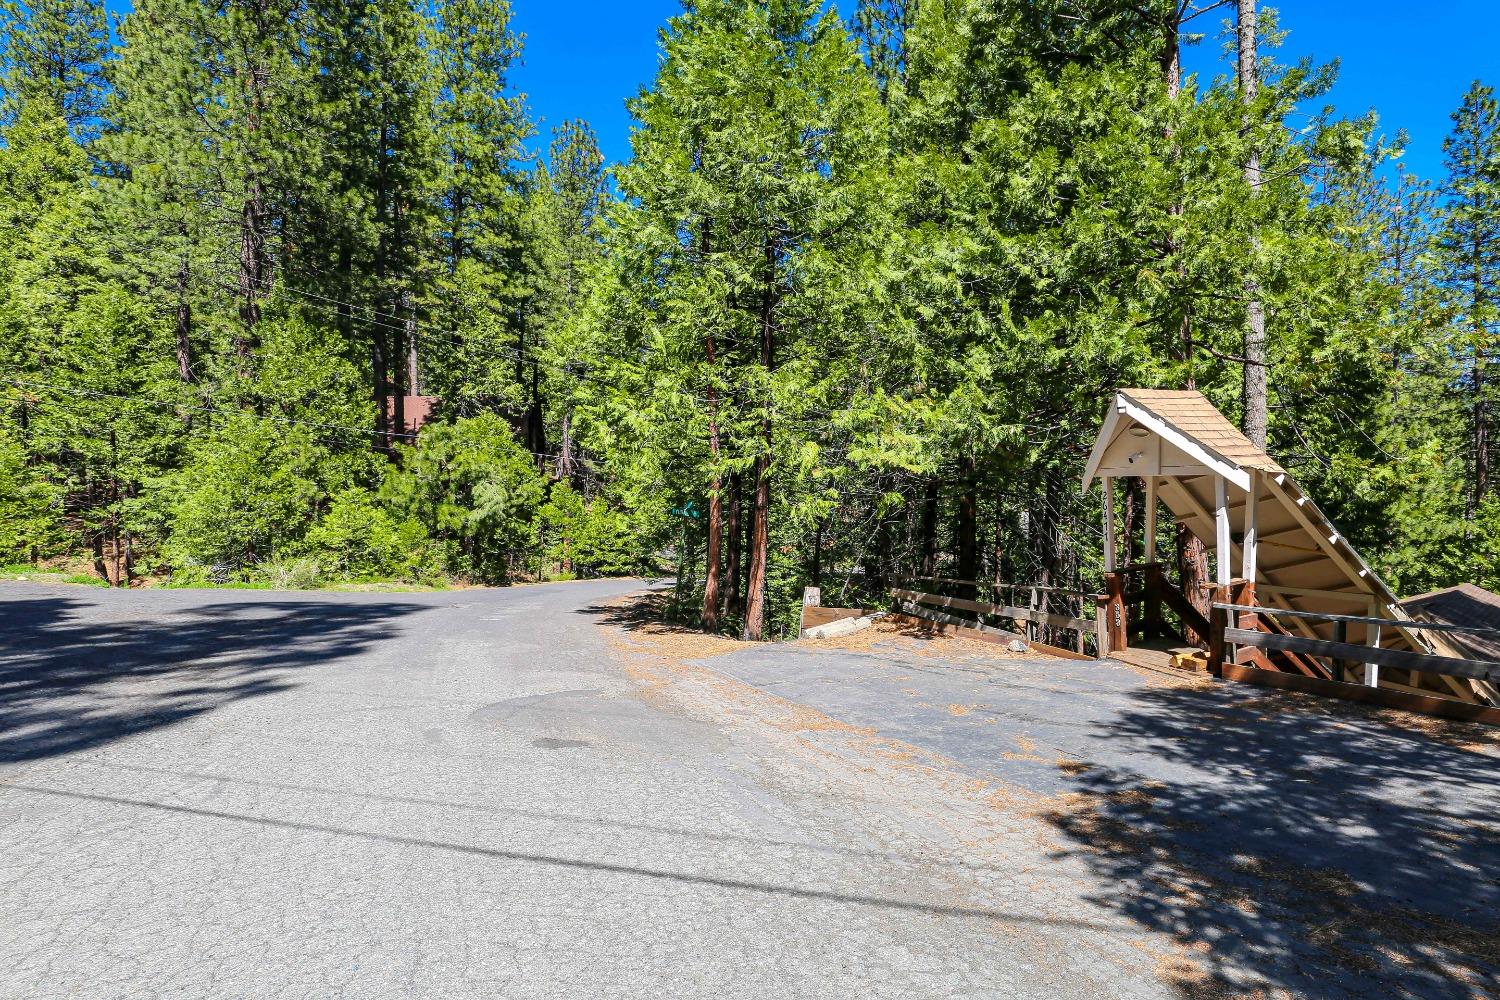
pixel 1190 412
pixel 1464 604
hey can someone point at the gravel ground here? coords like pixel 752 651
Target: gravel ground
pixel 529 793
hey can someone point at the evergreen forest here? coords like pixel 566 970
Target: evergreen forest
pixel 296 292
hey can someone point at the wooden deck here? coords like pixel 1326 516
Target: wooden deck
pixel 1156 655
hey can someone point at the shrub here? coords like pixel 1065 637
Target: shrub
pixel 474 490
pixel 359 539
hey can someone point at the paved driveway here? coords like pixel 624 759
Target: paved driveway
pixel 522 793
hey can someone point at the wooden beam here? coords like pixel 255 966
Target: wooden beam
pixel 1400 659
pixel 984 608
pixel 1150 548
pixel 1325 543
pixel 1385 697
pixel 1110 543
pixel 1250 539
pixel 1000 634
pixel 1337 595
pixel 1223 553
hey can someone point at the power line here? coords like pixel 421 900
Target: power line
pixel 288 421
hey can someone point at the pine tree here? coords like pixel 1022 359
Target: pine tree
pixel 748 249
pixel 1468 254
pixel 55 51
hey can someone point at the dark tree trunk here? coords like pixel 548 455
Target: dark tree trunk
pixel 736 540
pixel 968 527
pixel 929 525
pixel 715 499
pixel 755 602
pixel 1256 381
pixel 997 551
pixel 755 599
pixel 184 325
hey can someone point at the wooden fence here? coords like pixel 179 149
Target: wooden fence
pixel 1035 621
pixel 1332 661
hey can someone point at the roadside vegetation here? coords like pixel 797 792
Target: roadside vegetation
pixel 853 307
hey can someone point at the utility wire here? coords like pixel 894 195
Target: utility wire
pixel 288 421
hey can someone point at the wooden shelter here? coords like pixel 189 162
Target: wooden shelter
pixel 1272 548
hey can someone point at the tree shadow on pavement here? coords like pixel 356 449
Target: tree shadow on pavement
pixel 1303 848
pixel 68 683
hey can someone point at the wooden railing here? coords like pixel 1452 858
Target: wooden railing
pixel 1338 651
pixel 1241 648
pixel 1035 621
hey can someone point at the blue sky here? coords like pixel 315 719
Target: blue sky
pixel 1411 62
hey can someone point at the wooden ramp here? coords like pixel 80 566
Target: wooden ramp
pixel 1157 654
pixel 1263 530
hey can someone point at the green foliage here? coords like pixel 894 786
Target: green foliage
pixel 588 537
pixel 887 270
pixel 475 491
pixel 28 505
pixel 242 496
pixel 359 539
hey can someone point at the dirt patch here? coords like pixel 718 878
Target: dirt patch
pixel 893 634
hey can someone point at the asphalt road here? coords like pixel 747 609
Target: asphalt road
pixel 515 793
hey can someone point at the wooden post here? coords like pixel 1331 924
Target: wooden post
pixel 1114 588
pixel 812 597
pixel 1340 634
pixel 1223 553
pixel 1154 583
pixel 1150 546
pixel 1083 609
pixel 1031 623
pixel 1101 625
pixel 1372 638
pixel 1251 541
pixel 1218 621
pixel 1242 592
pixel 1111 545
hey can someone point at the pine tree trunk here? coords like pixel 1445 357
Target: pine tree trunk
pixel 968 528
pixel 735 539
pixel 1256 388
pixel 997 551
pixel 715 500
pixel 760 538
pixel 815 558
pixel 184 325
pixel 398 368
pixel 1481 432
pixel 929 525
pixel 252 273
pixel 1192 555
pixel 1481 411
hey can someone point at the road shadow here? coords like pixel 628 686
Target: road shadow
pixel 1320 851
pixel 70 683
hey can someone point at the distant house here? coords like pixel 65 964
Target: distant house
pixel 1466 605
pixel 416 411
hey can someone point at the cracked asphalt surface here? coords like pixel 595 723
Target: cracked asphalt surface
pixel 515 793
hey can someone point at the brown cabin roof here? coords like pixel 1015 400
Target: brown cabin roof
pixel 1190 412
pixel 1464 604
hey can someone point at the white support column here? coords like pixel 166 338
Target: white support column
pixel 1111 546
pixel 1251 540
pixel 1151 519
pixel 1224 553
pixel 1372 638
